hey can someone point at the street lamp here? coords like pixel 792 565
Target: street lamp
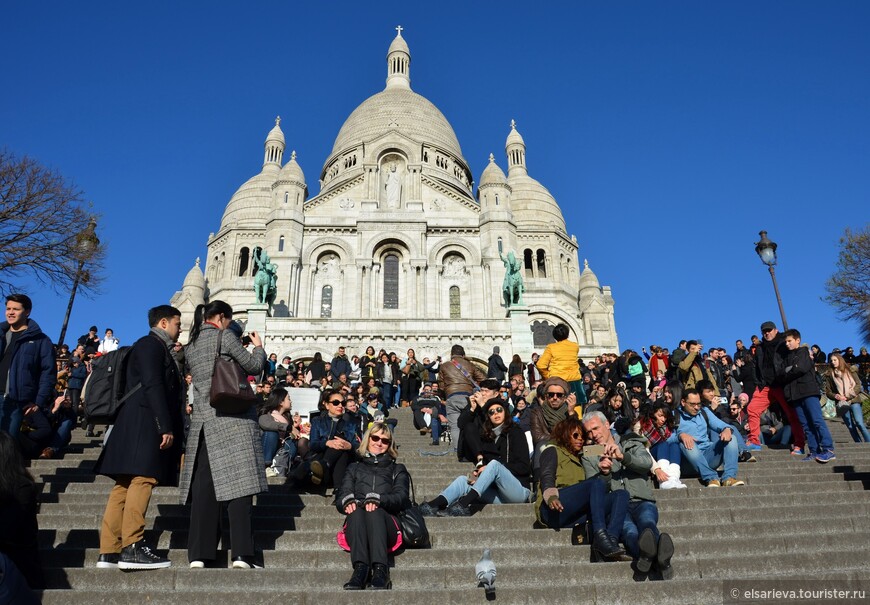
pixel 766 251
pixel 87 244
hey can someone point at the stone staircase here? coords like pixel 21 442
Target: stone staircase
pixel 792 520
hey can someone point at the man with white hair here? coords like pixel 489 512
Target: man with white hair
pixel 627 464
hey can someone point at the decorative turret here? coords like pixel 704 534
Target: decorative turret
pixel 493 191
pixel 194 284
pixel 515 148
pixel 274 145
pixel 399 63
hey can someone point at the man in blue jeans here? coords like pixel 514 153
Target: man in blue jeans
pixel 627 465
pixel 706 442
pixel 27 369
pixel 802 393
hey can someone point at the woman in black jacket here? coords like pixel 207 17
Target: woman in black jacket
pixel 19 529
pixel 503 470
pixel 373 491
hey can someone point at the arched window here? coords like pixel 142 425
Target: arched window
pixel 527 261
pixel 496 199
pixel 220 265
pixel 391 282
pixel 500 246
pixel 542 263
pixel 542 333
pixel 244 261
pixel 286 196
pixel 281 244
pixel 455 306
pixel 326 301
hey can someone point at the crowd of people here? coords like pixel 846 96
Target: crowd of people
pixel 589 442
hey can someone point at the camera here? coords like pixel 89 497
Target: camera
pixel 246 340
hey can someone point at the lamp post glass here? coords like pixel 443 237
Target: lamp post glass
pixel 766 250
pixel 87 244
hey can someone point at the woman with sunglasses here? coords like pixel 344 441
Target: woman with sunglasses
pixel 566 498
pixel 373 491
pixel 331 440
pixel 503 471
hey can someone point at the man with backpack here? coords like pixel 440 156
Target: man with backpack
pixel 145 445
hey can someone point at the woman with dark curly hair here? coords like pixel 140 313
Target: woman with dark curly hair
pixel 503 469
pixel 567 499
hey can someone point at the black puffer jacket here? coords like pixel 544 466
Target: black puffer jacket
pixel 376 478
pixel 798 378
pixel 511 448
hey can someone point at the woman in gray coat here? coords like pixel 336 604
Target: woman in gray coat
pixel 224 458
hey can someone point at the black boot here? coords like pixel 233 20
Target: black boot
pixel 606 546
pixel 358 579
pixel 648 548
pixel 663 556
pixel 380 577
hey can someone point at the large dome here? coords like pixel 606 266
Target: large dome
pixel 398 109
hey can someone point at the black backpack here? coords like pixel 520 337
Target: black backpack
pixel 103 392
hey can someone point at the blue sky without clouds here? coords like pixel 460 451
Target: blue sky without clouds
pixel 669 132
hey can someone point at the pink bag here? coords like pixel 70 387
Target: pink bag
pixel 341 538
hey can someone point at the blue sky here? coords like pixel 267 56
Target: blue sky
pixel 669 132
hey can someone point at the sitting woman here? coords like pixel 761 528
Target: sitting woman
pixel 618 411
pixel 566 499
pixel 374 489
pixel 658 428
pixel 843 385
pixel 331 440
pixel 274 420
pixel 503 470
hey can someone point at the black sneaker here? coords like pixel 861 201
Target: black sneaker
pixel 427 510
pixel 140 556
pixel 108 560
pixel 455 510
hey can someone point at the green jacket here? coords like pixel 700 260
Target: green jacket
pixel 567 471
pixel 632 473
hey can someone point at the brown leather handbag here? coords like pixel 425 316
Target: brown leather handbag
pixel 230 392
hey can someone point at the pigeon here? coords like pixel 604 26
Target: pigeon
pixel 485 570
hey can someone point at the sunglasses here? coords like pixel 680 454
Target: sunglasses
pixel 551 395
pixel 576 435
pixel 496 410
pixel 385 440
pixel 337 402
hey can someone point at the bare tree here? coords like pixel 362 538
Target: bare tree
pixel 849 288
pixel 41 215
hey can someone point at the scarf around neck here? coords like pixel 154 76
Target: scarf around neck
pixel 553 417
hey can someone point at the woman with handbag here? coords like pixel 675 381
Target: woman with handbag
pixel 843 386
pixel 374 490
pixel 224 457
pixel 411 380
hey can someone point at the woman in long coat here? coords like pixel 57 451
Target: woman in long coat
pixel 224 458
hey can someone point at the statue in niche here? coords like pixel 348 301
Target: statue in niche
pixel 393 185
pixel 512 287
pixel 454 267
pixel 328 266
pixel 265 282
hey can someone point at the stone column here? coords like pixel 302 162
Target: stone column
pixel 521 334
pixel 257 313
pixel 374 281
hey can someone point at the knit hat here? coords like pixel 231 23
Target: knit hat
pixel 556 381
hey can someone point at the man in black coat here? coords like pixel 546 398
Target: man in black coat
pixel 144 447
pixel 496 368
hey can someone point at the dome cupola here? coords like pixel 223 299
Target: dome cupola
pixel 399 63
pixel 274 145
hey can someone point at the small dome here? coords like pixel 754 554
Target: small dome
pixel 492 174
pixel 399 44
pixel 251 204
pixel 292 171
pixel 533 205
pixel 588 280
pixel 194 278
pixel 514 137
pixel 276 134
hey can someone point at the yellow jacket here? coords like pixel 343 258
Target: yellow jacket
pixel 560 359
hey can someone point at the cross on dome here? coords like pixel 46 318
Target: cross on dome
pixel 513 125
pixel 491 158
pixel 293 155
pixel 399 29
pixel 197 261
pixel 278 121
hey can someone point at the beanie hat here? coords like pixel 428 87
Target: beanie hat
pixel 556 381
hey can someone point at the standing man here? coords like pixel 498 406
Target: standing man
pixel 532 371
pixel 770 358
pixel 340 365
pixel 144 447
pixel 90 342
pixel 496 368
pixel 28 372
pixel 457 379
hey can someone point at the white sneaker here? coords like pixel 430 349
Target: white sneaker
pixel 271 472
pixel 197 564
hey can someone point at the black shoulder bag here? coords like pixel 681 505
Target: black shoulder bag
pixel 415 534
pixel 230 392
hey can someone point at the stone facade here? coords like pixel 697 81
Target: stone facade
pixel 397 249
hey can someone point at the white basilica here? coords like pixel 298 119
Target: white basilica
pixel 397 249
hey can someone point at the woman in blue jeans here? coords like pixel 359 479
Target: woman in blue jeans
pixel 567 499
pixel 274 420
pixel 843 386
pixel 503 470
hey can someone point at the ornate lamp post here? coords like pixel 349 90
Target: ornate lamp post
pixel 766 251
pixel 87 244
